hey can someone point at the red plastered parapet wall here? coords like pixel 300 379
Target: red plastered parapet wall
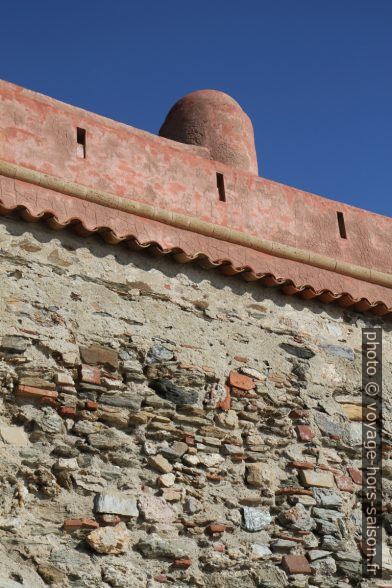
pixel 40 134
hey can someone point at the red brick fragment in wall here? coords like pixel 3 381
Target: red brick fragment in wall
pixel 182 563
pixel 189 440
pixel 356 475
pixel 296 564
pixel 344 483
pixel 89 374
pixel 72 524
pixel 241 381
pixel 226 402
pixel 67 411
pixel 215 528
pixel 91 405
pixel 305 433
pixel 35 392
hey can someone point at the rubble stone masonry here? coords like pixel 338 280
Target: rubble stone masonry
pixel 161 424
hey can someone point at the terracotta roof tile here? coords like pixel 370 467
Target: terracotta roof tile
pixel 305 291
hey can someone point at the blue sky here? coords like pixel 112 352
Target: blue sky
pixel 314 75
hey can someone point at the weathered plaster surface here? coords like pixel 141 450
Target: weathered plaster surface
pixel 40 133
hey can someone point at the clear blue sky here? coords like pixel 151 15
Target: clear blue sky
pixel 315 76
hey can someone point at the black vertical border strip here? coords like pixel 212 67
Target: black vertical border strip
pixel 371 545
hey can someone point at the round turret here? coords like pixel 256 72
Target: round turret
pixel 213 119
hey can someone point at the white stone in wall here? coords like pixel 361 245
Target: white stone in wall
pixel 112 503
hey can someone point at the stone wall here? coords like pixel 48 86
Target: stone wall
pixel 162 424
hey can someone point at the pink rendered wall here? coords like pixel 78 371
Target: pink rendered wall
pixel 40 133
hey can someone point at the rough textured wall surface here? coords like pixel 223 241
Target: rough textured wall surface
pixel 161 424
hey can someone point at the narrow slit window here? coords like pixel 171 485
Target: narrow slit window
pixel 341 225
pixel 220 182
pixel 81 142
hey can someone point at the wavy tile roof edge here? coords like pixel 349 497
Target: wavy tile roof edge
pixel 305 291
